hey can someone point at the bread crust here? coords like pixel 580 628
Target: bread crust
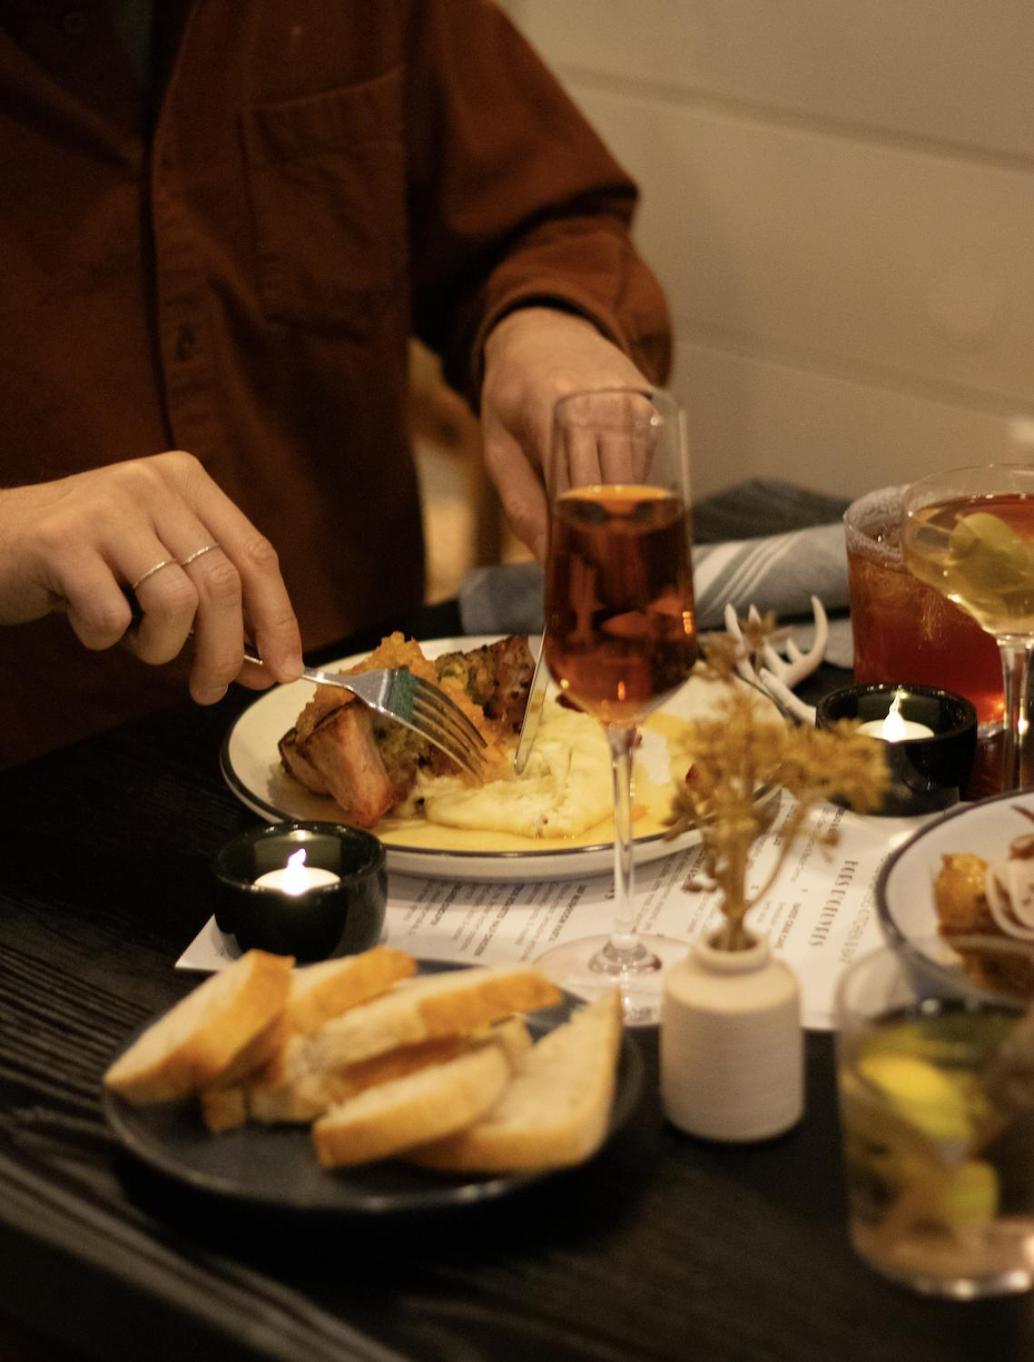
pixel 456 1003
pixel 554 1113
pixel 306 1096
pixel 327 989
pixel 273 1087
pixel 422 1106
pixel 199 1041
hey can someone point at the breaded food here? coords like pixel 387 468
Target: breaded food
pixel 369 764
pixel 960 898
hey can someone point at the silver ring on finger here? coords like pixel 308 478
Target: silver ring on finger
pixel 198 553
pixel 157 567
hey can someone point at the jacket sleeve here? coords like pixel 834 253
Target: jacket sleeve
pixel 513 197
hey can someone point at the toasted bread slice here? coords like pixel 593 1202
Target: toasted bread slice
pixel 226 1021
pixel 317 993
pixel 456 1002
pixel 392 1117
pixel 324 990
pixel 555 1110
pixel 305 1094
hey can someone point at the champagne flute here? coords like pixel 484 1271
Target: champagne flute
pixel 619 635
pixel 970 534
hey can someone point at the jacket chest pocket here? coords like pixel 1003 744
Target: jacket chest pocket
pixel 328 194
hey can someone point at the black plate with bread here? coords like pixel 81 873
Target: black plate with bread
pixel 198 1138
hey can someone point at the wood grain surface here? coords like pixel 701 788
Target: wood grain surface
pixel 664 1249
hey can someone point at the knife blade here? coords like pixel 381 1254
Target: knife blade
pixel 533 711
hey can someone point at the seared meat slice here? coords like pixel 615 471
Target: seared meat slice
pixel 296 765
pixel 342 749
pixel 339 747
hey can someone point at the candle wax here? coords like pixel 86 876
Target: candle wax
pixel 895 729
pixel 296 878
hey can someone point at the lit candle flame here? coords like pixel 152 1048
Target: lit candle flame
pixel 894 727
pixel 296 881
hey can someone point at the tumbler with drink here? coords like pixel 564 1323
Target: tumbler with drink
pixel 904 630
pixel 937 1112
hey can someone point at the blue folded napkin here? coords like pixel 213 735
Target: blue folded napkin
pixel 780 572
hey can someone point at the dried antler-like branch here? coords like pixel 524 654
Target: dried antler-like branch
pixel 760 662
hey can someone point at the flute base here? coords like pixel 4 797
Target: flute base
pixel 590 966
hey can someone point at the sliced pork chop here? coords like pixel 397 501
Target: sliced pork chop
pixel 342 749
pixel 369 764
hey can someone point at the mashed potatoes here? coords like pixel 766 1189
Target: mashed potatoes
pixel 564 789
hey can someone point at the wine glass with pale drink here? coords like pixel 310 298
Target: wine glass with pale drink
pixel 970 534
pixel 619 632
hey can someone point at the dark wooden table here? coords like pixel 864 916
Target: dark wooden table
pixel 664 1248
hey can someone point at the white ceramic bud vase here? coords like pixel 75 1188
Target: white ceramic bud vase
pixel 731 1043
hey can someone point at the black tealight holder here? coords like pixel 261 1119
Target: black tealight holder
pixel 339 918
pixel 926 773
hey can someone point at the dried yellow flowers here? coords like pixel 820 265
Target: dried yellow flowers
pixel 732 756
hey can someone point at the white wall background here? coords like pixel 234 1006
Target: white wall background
pixel 838 196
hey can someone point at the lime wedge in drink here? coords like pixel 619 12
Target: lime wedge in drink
pixel 921 1093
pixel 987 553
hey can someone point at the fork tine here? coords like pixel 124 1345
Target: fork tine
pixel 438 718
pixel 430 720
pixel 469 761
pixel 418 706
pixel 463 756
pixel 447 710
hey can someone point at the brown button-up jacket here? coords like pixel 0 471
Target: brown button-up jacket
pixel 238 276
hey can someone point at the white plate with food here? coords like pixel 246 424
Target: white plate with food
pixel 252 767
pixel 965 880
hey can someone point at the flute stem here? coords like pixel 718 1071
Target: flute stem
pixel 624 942
pixel 1015 655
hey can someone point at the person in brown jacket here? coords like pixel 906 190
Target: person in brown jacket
pixel 221 225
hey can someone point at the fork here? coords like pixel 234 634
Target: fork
pixel 416 704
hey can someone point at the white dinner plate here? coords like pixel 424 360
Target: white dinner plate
pixel 905 894
pixel 904 891
pixel 250 762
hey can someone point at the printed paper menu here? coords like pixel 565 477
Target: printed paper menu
pixel 819 914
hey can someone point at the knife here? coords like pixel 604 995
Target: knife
pixel 533 711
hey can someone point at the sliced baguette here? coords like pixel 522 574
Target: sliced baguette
pixel 329 988
pixel 307 1094
pixel 387 1119
pixel 273 1090
pixel 555 1110
pixel 310 1094
pixel 227 1021
pixel 457 1002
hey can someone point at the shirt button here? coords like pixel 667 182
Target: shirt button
pixel 187 344
pixel 74 22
